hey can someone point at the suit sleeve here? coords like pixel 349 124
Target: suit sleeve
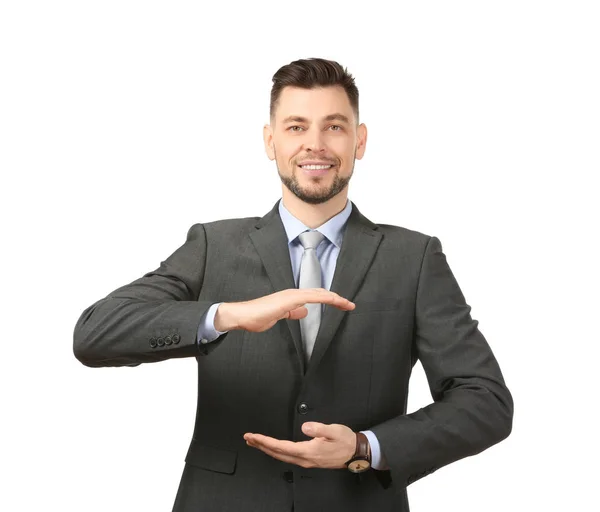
pixel 151 319
pixel 472 408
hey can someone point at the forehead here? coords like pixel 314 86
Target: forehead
pixel 313 103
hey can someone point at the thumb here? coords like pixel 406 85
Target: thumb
pixel 314 429
pixel 297 313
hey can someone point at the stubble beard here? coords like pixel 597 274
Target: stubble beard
pixel 318 195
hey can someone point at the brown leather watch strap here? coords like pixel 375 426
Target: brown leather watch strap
pixel 361 460
pixel 363 449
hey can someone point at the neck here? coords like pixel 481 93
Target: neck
pixel 314 215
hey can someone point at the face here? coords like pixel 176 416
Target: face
pixel 314 140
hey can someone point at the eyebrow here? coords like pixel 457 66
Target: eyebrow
pixel 330 117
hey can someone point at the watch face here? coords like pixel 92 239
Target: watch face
pixel 358 466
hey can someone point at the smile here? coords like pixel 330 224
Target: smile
pixel 315 167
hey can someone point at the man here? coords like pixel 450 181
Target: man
pixel 305 324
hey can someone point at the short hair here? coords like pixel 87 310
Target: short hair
pixel 310 74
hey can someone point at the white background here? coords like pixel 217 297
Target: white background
pixel 122 123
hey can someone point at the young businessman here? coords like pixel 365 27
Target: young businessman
pixel 306 324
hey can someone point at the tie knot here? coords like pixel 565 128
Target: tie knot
pixel 311 239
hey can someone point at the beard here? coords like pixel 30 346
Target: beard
pixel 316 195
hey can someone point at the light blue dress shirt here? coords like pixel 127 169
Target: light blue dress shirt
pixel 327 252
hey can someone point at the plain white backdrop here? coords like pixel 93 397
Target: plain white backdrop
pixel 122 123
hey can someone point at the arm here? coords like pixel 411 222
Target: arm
pixel 158 316
pixel 472 407
pixel 151 319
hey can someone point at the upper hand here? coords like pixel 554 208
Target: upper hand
pixel 263 313
pixel 331 447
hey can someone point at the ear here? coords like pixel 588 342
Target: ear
pixel 361 145
pixel 268 140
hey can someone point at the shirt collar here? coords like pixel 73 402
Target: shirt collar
pixel 333 229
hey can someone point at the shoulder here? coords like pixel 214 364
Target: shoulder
pixel 401 233
pixel 399 241
pixel 392 234
pixel 222 227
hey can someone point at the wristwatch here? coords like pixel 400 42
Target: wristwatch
pixel 361 460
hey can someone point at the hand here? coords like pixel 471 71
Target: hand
pixel 263 313
pixel 331 447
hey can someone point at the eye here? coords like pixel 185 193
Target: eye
pixel 293 128
pixel 336 127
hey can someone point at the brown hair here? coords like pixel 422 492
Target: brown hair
pixel 312 73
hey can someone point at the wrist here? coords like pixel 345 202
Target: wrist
pixel 361 460
pixel 225 317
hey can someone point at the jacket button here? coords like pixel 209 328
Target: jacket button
pixel 160 342
pixel 168 340
pixel 176 338
pixel 288 476
pixel 303 408
pixel 153 342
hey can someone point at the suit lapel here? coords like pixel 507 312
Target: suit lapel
pixel 359 246
pixel 270 241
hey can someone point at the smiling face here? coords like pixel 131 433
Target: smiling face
pixel 314 139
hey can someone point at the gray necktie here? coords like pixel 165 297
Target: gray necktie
pixel 310 277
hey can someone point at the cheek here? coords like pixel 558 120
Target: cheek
pixel 285 161
pixel 342 148
pixel 286 150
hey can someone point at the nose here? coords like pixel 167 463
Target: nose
pixel 314 142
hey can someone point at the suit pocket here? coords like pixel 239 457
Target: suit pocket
pixel 377 305
pixel 219 460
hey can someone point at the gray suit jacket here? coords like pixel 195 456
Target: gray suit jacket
pixel 408 307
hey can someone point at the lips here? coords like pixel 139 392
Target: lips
pixel 316 169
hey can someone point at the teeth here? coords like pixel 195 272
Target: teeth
pixel 315 167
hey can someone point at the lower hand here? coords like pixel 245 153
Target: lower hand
pixel 263 313
pixel 331 447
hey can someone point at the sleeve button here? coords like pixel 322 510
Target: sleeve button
pixel 176 338
pixel 153 342
pixel 168 340
pixel 160 342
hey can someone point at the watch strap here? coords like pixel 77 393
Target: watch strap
pixel 362 452
pixel 362 446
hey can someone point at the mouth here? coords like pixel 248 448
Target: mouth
pixel 316 169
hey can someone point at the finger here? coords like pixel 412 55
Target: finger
pixel 288 448
pixel 298 313
pixel 320 295
pixel 315 429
